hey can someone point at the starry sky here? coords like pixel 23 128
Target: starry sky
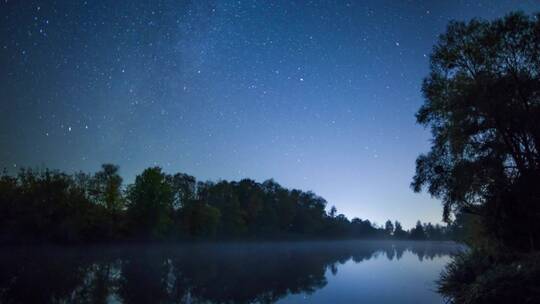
pixel 318 95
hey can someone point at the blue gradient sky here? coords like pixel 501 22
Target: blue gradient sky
pixel 318 95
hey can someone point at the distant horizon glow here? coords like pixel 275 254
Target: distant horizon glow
pixel 317 96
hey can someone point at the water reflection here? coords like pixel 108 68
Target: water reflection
pixel 203 273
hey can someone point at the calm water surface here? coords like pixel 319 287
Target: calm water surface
pixel 303 272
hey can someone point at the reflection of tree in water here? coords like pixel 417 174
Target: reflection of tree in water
pixel 261 273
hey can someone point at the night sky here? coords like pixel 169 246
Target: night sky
pixel 318 95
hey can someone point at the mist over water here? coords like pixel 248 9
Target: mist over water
pixel 309 272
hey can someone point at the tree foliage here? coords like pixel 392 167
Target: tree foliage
pixel 482 102
pixel 150 203
pixel 106 188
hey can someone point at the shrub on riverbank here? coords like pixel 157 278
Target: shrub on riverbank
pixel 478 277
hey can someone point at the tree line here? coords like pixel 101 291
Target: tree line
pixel 54 206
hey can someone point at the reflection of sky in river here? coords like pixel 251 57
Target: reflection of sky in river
pixel 286 272
pixel 380 280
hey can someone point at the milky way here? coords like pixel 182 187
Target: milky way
pixel 318 95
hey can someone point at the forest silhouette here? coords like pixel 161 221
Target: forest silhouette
pixel 51 206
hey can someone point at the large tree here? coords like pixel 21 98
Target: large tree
pixel 482 103
pixel 389 228
pixel 106 187
pixel 184 187
pixel 150 203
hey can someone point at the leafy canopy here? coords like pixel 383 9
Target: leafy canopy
pixel 482 103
